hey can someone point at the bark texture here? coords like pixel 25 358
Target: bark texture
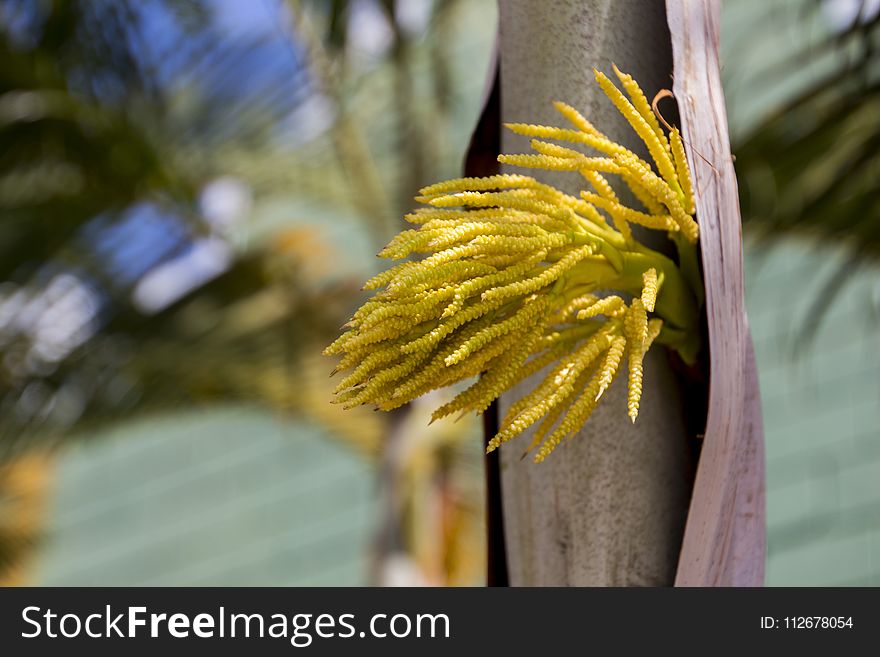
pixel 724 544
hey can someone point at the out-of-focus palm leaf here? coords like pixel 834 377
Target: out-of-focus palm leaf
pixel 811 167
pixel 95 123
pixel 110 129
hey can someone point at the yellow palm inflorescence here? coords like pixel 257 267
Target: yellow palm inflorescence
pixel 505 277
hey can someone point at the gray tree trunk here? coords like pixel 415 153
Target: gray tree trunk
pixel 608 508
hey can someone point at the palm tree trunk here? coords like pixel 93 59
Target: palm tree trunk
pixel 609 508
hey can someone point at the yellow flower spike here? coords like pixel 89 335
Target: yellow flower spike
pixel 603 164
pixel 339 344
pixel 510 277
pixel 564 152
pixel 499 350
pixel 517 322
pixel 382 279
pixel 476 285
pixel 576 119
pixel 422 216
pixel 550 420
pixel 617 212
pixel 431 339
pixel 553 388
pixel 577 414
pixel 611 306
pixel 655 147
pixel 571 310
pixel 601 144
pixel 564 386
pixel 556 198
pixel 663 193
pixel 537 393
pixel 475 396
pixel 367 365
pixel 556 152
pixel 501 181
pixel 640 102
pixel 640 174
pixel 524 200
pixel 417 244
pixel 453 216
pixel 467 231
pixel 600 184
pixel 644 174
pixel 634 394
pixel 375 303
pixel 542 360
pixel 609 367
pixel 622 213
pixel 456 263
pixel 502 262
pixel 502 365
pixel 420 274
pixel 540 198
pixel 592 174
pixel 428 305
pixel 343 397
pixel 502 215
pixel 498 244
pixel 432 373
pixel 547 423
pixel 436 369
pixel 637 322
pixel 685 223
pixel 400 240
pixel 683 171
pixel 650 288
pixel 391 328
pixel 545 278
pixel 654 326
pixel 635 358
pixel 351 359
pixel 636 331
pixel 507 371
pixel 593 215
pixel 381 385
pixel 641 193
pixel 522 186
pixel 556 163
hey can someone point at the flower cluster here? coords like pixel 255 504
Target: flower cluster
pixel 505 277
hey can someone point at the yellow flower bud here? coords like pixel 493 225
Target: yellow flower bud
pixel 650 288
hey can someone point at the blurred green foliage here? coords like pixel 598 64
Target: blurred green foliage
pixel 101 164
pixel 809 167
pixel 183 184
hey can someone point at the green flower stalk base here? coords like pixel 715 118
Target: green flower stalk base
pixel 515 277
